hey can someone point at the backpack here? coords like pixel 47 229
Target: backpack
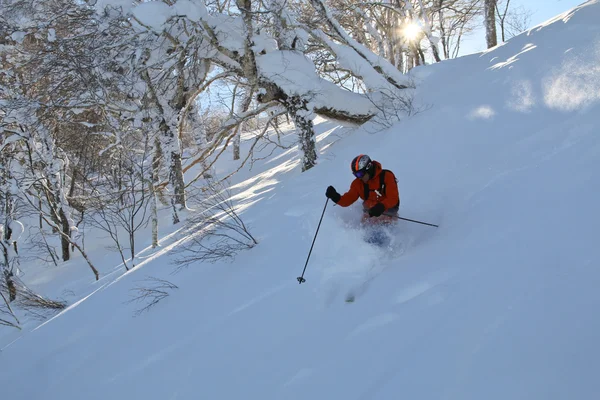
pixel 381 185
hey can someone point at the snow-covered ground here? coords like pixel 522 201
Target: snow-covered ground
pixel 499 302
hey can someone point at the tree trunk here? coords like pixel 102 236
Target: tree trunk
pixel 78 247
pixel 236 143
pixel 442 29
pixel 489 11
pixel 84 254
pixel 64 237
pixel 132 244
pixel 12 289
pixel 239 129
pixel 297 107
pixel 5 243
pixel 154 181
pixel 154 211
pixel 421 55
pixel 176 173
pixel 170 146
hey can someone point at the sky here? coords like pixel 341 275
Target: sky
pixel 542 10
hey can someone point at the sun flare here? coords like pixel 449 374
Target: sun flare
pixel 411 31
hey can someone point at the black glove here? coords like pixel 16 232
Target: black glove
pixel 332 194
pixel 376 210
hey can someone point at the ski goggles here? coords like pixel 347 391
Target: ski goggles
pixel 360 174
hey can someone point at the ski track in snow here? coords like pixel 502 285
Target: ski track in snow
pixel 260 298
pixel 302 375
pixel 413 292
pixel 373 323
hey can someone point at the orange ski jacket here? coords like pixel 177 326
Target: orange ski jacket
pixel 373 191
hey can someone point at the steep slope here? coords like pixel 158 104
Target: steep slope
pixel 498 302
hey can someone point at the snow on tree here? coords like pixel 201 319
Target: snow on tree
pixel 235 41
pixel 83 84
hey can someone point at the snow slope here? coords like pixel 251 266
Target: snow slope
pixel 499 302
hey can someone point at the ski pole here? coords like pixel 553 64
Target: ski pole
pixel 301 278
pixel 418 222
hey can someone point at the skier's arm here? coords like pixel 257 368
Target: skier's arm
pixel 350 196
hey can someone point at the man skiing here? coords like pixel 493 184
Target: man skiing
pixel 377 188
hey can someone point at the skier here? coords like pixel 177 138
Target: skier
pixel 377 188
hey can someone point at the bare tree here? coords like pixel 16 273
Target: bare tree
pixel 512 20
pixel 40 248
pixel 7 315
pixel 33 303
pixel 217 232
pixel 224 135
pixel 26 300
pixel 123 203
pixel 67 238
pixel 151 293
pixel 394 109
pixel 454 19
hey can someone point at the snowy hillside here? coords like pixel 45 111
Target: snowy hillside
pixel 499 302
